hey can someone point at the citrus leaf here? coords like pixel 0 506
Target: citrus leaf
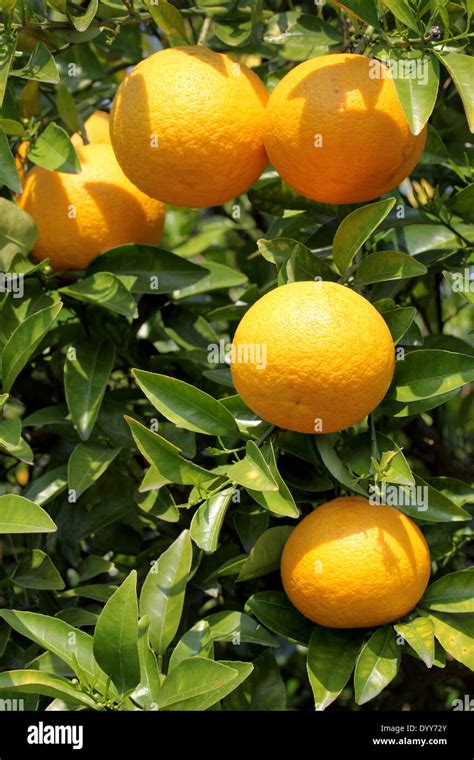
pixel 416 79
pixel 18 232
pixel 53 150
pixel 20 515
pixel 86 373
pixel 453 592
pixel 387 265
pixel 36 682
pixel 36 570
pixel 402 11
pixel 197 642
pixel 330 662
pixel 266 553
pixel 162 595
pixel 8 169
pixel 238 628
pixel 116 636
pixel 7 53
pixel 455 633
pixel 87 463
pixel 252 471
pixel 356 229
pixel 419 634
pixel 459 67
pixel 275 611
pixel 105 290
pixel 377 665
pixel 188 407
pixel 208 520
pixel 430 372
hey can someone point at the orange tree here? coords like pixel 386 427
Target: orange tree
pixel 145 505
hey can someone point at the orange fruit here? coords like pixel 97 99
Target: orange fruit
pixel 96 128
pixel 352 564
pixel 187 126
pixel 336 132
pixel 313 357
pixel 79 216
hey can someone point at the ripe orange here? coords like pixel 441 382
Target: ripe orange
pixel 314 357
pixel 79 216
pixel 336 132
pixel 96 128
pixel 187 126
pixel 351 564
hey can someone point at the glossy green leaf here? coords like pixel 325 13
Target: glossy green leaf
pixel 53 150
pixel 155 270
pixel 24 341
pixel 402 11
pixel 238 628
pixel 188 407
pixel 35 682
pixel 462 203
pixel 455 633
pixel 387 265
pixel 162 595
pixel 399 321
pixel 160 453
pixel 116 636
pixel 198 683
pixel 430 372
pixel 416 79
pixel 168 18
pixel 365 9
pixel 459 67
pixel 377 664
pixel 105 290
pixel 146 693
pixel 307 32
pixel 356 229
pixel 264 690
pixel 208 520
pixel 453 592
pixel 18 232
pixel 87 463
pixel 82 21
pixel 197 642
pixel 8 170
pixel 275 611
pixel 86 373
pixel 419 634
pixel 265 555
pixel 326 447
pixel 12 443
pixel 67 108
pixel 41 67
pixel 330 662
pixel 7 52
pixel 36 570
pixel 279 502
pixel 252 471
pixel 20 515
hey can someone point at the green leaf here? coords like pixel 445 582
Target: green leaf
pixel 53 150
pixel 197 642
pixel 250 520
pixel 48 486
pixel 195 677
pixel 453 592
pixel 377 664
pixel 82 21
pixel 36 682
pixel 116 636
pixel 330 662
pixel 264 689
pixel 455 633
pixel 12 442
pixel 67 108
pixel 252 471
pixel 459 67
pixel 18 232
pixel 387 265
pixel 220 277
pixel 430 372
pixel 275 611
pixel 86 373
pixel 402 11
pixel 306 33
pixel 419 634
pixel 87 463
pixel 7 53
pixel 188 407
pixel 326 447
pixel 105 290
pixel 20 515
pixel 162 595
pixel 425 503
pixel 71 645
pixel 155 270
pixel 165 457
pixel 365 9
pixel 265 555
pixel 24 341
pixel 238 628
pixel 8 170
pixel 416 79
pixel 462 203
pixel 399 321
pixel 168 18
pixel 41 67
pixel 146 693
pixel 356 229
pixel 36 570
pixel 279 502
pixel 208 520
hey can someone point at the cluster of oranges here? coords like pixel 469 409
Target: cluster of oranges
pixel 195 128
